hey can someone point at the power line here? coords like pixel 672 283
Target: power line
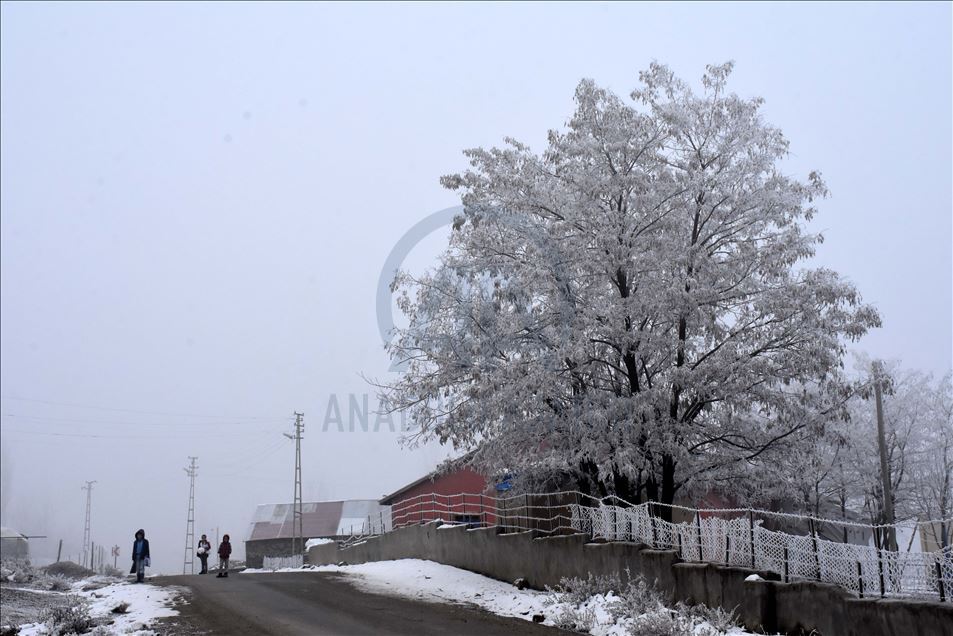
pixel 121 410
pixel 233 422
pixel 154 435
pixel 242 463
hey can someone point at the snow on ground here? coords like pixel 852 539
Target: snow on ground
pixel 313 542
pixel 435 582
pixel 146 603
pixel 430 581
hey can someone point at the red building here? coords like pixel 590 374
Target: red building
pixel 457 495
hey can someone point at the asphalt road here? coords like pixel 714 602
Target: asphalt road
pixel 321 603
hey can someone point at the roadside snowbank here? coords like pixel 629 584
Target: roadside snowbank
pixel 430 581
pixel 598 614
pixel 145 603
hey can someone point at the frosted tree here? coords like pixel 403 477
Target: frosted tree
pixel 932 492
pixel 842 466
pixel 630 307
pixel 918 424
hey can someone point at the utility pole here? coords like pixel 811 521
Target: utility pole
pixel 115 555
pixel 89 496
pixel 297 524
pixel 891 533
pixel 190 524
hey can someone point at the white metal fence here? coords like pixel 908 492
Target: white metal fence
pixel 742 540
pixel 793 546
pixel 281 562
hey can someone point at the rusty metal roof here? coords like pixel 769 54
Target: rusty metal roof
pixel 321 519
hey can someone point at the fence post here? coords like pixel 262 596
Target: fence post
pixel 727 547
pixel 787 578
pixel 531 511
pixel 482 512
pixel 751 535
pixel 860 579
pixel 880 568
pixel 654 531
pixel 433 506
pixel 939 580
pixel 552 515
pixel 698 527
pixel 681 554
pixel 817 559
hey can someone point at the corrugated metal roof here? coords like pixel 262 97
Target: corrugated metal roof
pixel 321 519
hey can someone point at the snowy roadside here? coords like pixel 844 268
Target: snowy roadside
pixel 100 605
pixel 588 608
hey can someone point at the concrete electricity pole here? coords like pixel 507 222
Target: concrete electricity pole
pixel 189 561
pixel 297 524
pixel 89 497
pixel 891 534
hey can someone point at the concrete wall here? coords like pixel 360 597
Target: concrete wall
pixel 770 605
pixel 256 551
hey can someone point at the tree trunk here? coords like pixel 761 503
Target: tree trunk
pixel 668 487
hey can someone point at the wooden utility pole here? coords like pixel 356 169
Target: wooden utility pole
pixel 891 533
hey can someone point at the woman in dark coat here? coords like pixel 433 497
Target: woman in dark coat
pixel 140 555
pixel 224 551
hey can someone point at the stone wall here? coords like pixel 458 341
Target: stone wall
pixel 771 605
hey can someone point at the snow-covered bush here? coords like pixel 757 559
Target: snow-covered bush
pixel 665 623
pixel 68 569
pixel 576 591
pixel 57 583
pixel 74 619
pixel 590 605
pixel 573 618
pixel 17 571
pixel 720 619
pixel 638 597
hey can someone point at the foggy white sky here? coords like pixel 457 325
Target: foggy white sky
pixel 197 201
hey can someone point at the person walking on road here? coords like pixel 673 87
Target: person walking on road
pixel 224 551
pixel 140 555
pixel 204 548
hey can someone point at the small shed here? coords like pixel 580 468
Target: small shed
pixel 13 545
pixel 272 526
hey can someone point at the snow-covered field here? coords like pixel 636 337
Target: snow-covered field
pixel 600 614
pixel 105 605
